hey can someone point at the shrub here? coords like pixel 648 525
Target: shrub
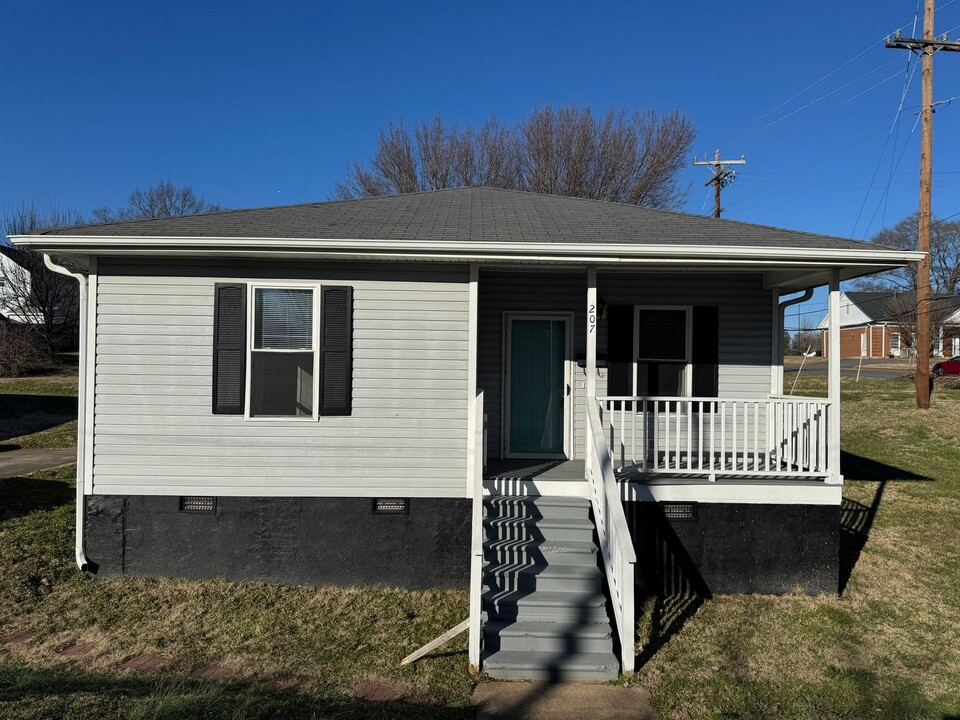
pixel 22 351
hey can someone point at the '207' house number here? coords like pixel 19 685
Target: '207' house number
pixel 591 318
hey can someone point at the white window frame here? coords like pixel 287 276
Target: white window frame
pixel 688 359
pixel 314 341
pixel 899 348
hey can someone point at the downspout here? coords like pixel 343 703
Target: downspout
pixel 80 553
pixel 807 294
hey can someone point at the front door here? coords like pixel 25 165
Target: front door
pixel 537 387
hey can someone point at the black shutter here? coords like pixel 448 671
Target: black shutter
pixel 229 347
pixel 619 350
pixel 336 350
pixel 705 351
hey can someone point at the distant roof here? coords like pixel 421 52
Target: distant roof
pixel 470 214
pixel 881 306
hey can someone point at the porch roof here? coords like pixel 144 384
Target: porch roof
pixel 474 224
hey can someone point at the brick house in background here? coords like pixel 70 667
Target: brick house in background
pixel 871 325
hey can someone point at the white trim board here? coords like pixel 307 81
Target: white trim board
pixel 782 492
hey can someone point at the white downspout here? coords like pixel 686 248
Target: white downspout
pixel 778 346
pixel 82 562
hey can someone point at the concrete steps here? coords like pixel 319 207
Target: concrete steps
pixel 544 610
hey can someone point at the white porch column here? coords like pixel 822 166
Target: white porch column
pixel 776 347
pixel 833 378
pixel 592 316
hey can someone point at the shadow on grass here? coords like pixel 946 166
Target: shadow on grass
pixel 23 495
pixel 856 519
pixel 71 692
pixel 25 414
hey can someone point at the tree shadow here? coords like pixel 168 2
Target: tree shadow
pixel 24 495
pixel 25 414
pixel 66 689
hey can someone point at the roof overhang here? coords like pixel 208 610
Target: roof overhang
pixel 788 268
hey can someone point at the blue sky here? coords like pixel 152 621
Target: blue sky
pixel 269 103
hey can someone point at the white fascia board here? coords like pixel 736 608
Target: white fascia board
pixel 604 253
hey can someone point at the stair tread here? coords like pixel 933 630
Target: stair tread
pixel 530 628
pixel 554 546
pixel 551 570
pixel 545 500
pixel 546 522
pixel 536 660
pixel 554 598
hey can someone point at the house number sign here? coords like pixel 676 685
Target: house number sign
pixel 591 318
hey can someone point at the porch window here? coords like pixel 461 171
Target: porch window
pixel 661 351
pixel 283 357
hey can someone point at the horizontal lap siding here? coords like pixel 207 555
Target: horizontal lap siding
pixel 155 432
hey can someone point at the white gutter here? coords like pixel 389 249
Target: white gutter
pixel 461 251
pixel 79 552
pixel 807 294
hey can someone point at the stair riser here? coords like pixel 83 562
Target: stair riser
pixel 560 675
pixel 535 513
pixel 531 583
pixel 526 643
pixel 538 557
pixel 538 532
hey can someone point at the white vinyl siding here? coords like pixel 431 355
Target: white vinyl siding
pixel 155 432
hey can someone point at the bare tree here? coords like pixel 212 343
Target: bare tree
pixel 32 294
pixel 807 338
pixel 619 157
pixel 905 311
pixel 944 257
pixel 161 200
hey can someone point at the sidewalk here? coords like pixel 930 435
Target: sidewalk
pixel 23 462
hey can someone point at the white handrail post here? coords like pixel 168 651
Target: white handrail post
pixel 833 381
pixel 593 316
pixel 475 453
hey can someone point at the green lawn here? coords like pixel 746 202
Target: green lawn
pixel 40 411
pixel 889 647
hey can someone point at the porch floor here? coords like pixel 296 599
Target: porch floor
pixel 544 470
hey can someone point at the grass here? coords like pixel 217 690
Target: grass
pixel 40 411
pixel 888 647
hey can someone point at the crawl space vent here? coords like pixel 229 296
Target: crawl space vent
pixel 198 504
pixel 391 506
pixel 680 511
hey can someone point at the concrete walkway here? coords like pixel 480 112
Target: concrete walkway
pixel 560 701
pixel 23 462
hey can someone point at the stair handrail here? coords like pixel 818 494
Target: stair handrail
pixel 616 540
pixel 476 536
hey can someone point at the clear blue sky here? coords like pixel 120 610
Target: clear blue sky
pixel 269 103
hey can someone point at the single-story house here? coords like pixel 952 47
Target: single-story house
pixel 872 323
pixel 550 400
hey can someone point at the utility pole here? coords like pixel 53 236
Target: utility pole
pixel 721 176
pixel 926 47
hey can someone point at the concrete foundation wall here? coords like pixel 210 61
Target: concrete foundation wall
pixel 737 548
pixel 322 541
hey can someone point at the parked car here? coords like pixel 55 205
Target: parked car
pixel 948 367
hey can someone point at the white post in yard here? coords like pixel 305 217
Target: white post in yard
pixel 833 378
pixel 593 313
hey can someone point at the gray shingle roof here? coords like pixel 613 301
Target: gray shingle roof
pixel 881 306
pixel 476 214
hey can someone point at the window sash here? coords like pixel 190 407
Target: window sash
pixel 685 361
pixel 310 338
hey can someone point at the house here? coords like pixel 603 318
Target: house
pixel 550 400
pixel 21 302
pixel 876 324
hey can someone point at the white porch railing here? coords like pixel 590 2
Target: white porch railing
pixel 476 536
pixel 616 541
pixel 773 436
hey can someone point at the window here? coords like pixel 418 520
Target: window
pixel 283 357
pixel 662 351
pixel 895 342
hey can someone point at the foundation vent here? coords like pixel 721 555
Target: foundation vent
pixel 391 506
pixel 198 504
pixel 679 510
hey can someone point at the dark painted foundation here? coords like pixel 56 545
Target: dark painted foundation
pixel 322 541
pixel 737 548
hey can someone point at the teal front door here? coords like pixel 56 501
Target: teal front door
pixel 537 386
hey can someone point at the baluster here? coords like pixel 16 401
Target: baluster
pixel 633 432
pixel 723 435
pixel 656 434
pixel 756 436
pixel 623 430
pixel 689 405
pixel 713 434
pixel 700 435
pixel 733 455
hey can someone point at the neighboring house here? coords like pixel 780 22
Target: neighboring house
pixel 340 392
pixel 10 310
pixel 17 283
pixel 873 323
pixel 950 340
